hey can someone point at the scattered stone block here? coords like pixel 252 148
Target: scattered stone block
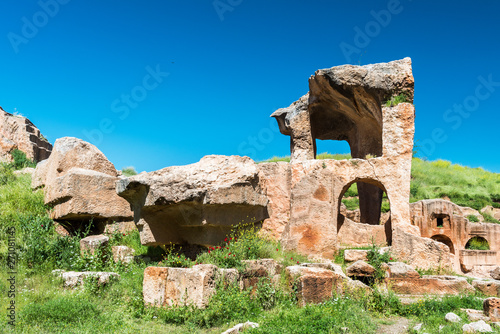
pixel 123 254
pixel 399 270
pixel 432 285
pixel 491 308
pixel 92 243
pixel 257 269
pixel 478 326
pixel 314 285
pixel 495 273
pixel 241 327
pixel 75 278
pixel 360 269
pixel 488 287
pixel 475 315
pixel 164 286
pixel 452 317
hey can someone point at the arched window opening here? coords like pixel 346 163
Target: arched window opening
pixel 445 240
pixel 477 243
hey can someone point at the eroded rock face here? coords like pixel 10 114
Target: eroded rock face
pixel 491 307
pixel 360 269
pixel 80 184
pixel 197 203
pixel 431 285
pixel 487 287
pixel 17 132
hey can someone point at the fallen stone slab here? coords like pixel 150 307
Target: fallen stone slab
pixel 475 315
pixel 430 285
pixel 90 244
pixel 165 286
pixel 360 269
pixel 495 273
pixel 488 287
pixel 195 204
pixel 255 270
pixel 123 254
pixel 478 326
pixel 313 285
pixel 353 255
pixel 241 327
pixel 75 278
pixel 491 308
pixel 399 270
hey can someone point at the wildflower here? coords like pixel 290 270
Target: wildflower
pixel 209 251
pixel 277 250
pixel 297 262
pixel 291 258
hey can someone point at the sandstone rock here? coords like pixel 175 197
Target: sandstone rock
pixel 452 317
pixel 17 132
pixel 74 278
pixel 495 273
pixel 491 308
pixel 432 285
pixel 61 230
pixel 123 254
pixel 80 184
pixel 423 253
pixel 83 194
pixel 69 152
pixel 479 326
pixel 337 269
pixel 120 227
pixel 360 269
pixel 355 286
pixel 182 286
pixel 92 243
pixel 399 270
pixel 197 203
pixel 313 285
pixel 275 178
pixel 475 315
pixel 241 327
pixel 361 235
pixel 257 269
pixel 489 288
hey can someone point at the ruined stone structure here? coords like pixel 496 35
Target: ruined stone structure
pixel 444 221
pixel 17 132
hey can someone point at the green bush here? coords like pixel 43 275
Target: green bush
pixel 473 218
pixel 376 258
pixel 20 160
pixel 395 100
pixel 477 243
pixel 129 171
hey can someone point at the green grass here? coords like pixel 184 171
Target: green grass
pixel 477 243
pixel 321 156
pixel 129 171
pixel 395 100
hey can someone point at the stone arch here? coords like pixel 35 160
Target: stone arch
pixel 476 241
pixel 368 215
pixel 445 240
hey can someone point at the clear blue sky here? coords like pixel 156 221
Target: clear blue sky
pixel 97 70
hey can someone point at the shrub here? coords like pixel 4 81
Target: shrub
pixel 20 160
pixel 489 218
pixel 376 258
pixel 129 171
pixel 473 218
pixel 477 243
pixel 395 100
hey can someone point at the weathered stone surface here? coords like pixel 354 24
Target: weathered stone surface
pixel 69 152
pixel 356 234
pixel 355 286
pixel 80 184
pixel 478 326
pixel 432 285
pixel 179 286
pixel 487 287
pixel 61 230
pixel 399 270
pixel 241 327
pixel 75 278
pixel 466 212
pixel 83 194
pixel 197 203
pixel 123 254
pixel 360 269
pixel 495 273
pixel 337 269
pixel 452 317
pixel 275 180
pixel 90 244
pixel 423 253
pixel 314 285
pixel 475 315
pixel 17 132
pixel 256 269
pixel 120 227
pixel 491 308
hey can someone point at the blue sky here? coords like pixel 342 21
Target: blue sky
pixel 161 83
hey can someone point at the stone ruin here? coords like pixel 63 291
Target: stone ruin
pixel 296 202
pixel 17 132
